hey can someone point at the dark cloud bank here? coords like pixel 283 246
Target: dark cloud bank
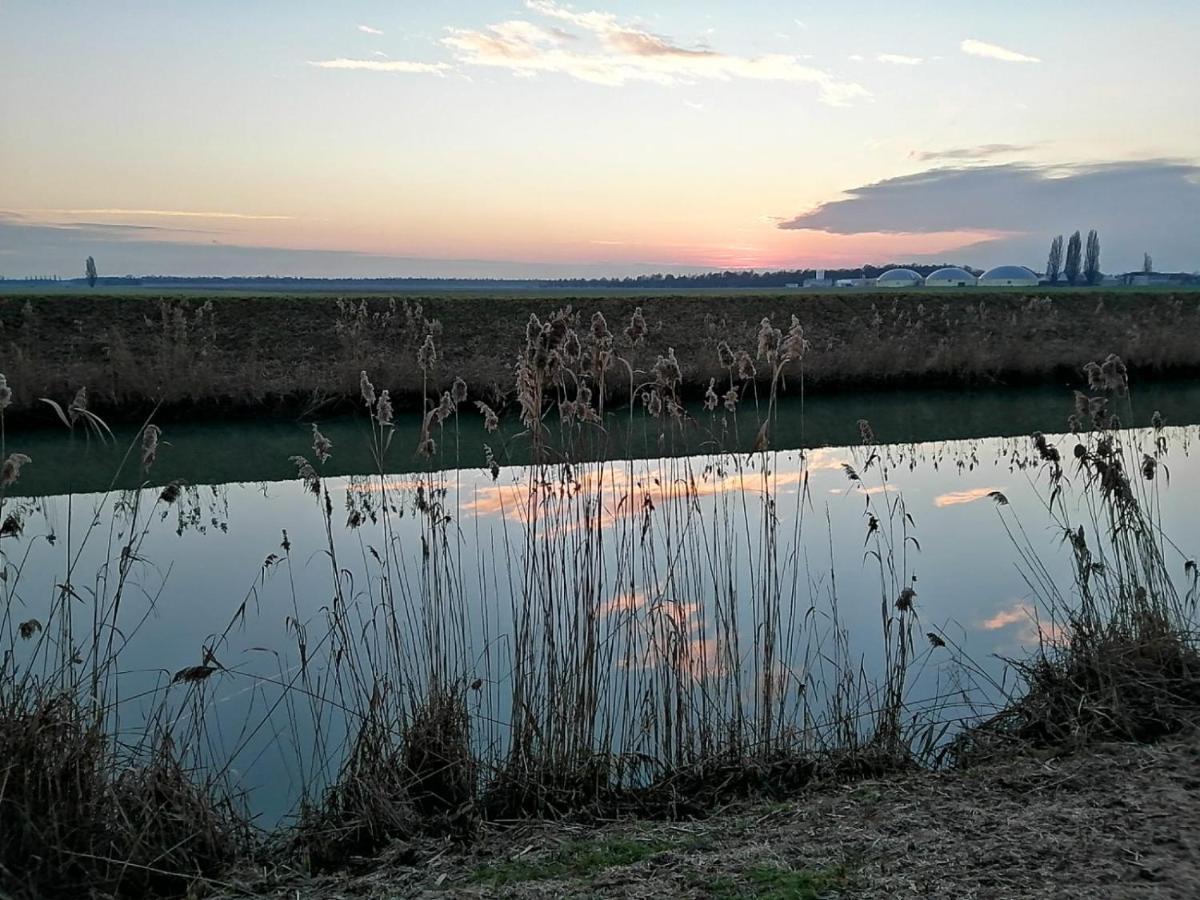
pixel 1149 205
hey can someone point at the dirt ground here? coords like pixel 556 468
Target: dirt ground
pixel 1119 821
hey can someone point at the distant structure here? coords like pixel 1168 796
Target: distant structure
pixel 899 278
pixel 1009 276
pixel 952 276
pixel 1150 279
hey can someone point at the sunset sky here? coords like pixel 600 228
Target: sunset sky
pixel 524 138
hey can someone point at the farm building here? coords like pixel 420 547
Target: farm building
pixel 899 278
pixel 950 277
pixel 1151 279
pixel 1009 276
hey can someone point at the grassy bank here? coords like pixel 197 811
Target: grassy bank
pixel 228 354
pixel 651 640
pixel 1119 820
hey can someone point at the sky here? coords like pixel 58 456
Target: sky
pixel 540 138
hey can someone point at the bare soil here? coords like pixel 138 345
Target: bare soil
pixel 1119 821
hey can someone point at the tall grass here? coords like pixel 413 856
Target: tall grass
pixel 1118 657
pixel 586 633
pixel 87 805
pixel 665 645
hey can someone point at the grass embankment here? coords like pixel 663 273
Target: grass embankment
pixel 1121 820
pixel 226 354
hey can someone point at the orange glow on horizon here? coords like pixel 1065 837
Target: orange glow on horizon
pixel 723 241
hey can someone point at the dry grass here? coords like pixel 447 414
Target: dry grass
pixel 1120 820
pixel 227 354
pixel 1118 657
pixel 391 789
pixel 1142 685
pixel 76 818
pixel 87 807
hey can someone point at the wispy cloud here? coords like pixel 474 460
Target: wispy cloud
pixel 143 213
pixel 30 246
pixel 1033 629
pixel 367 29
pixel 399 66
pixel 616 53
pixel 972 47
pixel 897 59
pixel 869 491
pixel 957 498
pixel 983 151
pixel 1005 617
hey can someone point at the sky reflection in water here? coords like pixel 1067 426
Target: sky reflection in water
pixel 204 558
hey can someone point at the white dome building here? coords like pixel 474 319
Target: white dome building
pixel 899 278
pixel 950 277
pixel 1009 276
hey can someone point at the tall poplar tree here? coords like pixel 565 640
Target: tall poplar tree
pixel 1091 260
pixel 1055 260
pixel 1074 259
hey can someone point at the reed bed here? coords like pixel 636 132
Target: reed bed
pixel 302 354
pixel 1118 657
pixel 647 637
pixel 86 805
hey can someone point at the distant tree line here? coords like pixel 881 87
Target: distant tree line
pixel 748 279
pixel 726 279
pixel 1076 261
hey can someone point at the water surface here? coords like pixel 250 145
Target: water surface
pixel 815 537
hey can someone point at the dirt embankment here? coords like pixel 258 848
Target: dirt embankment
pixel 300 353
pixel 1119 821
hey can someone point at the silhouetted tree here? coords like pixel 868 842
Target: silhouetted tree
pixel 89 270
pixel 1147 264
pixel 1091 264
pixel 1055 260
pixel 1074 259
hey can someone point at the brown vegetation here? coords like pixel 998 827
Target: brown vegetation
pixel 79 815
pixel 1117 821
pixel 301 353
